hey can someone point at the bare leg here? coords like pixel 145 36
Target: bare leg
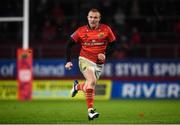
pixel 89 87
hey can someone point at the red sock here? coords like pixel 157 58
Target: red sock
pixel 89 98
pixel 80 87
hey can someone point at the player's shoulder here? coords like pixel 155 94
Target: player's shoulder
pixel 81 28
pixel 104 26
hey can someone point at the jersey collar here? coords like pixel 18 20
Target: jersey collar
pixel 93 29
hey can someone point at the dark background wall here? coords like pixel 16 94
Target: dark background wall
pixel 144 28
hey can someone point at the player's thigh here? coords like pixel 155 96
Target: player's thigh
pixel 87 69
pixel 89 75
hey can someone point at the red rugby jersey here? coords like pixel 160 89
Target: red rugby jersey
pixel 93 41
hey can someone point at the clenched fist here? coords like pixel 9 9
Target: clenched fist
pixel 101 57
pixel 68 65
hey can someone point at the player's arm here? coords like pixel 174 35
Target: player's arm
pixel 109 51
pixel 111 47
pixel 69 46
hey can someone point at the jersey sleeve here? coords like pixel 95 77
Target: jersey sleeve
pixel 111 35
pixel 75 36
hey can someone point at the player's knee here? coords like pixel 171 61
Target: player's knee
pixel 90 83
pixel 93 82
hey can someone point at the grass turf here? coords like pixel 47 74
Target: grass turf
pixel 70 111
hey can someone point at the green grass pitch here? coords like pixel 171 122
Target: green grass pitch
pixel 74 112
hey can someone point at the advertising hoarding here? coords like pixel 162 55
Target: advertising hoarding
pixel 113 68
pixel 145 90
pixel 60 89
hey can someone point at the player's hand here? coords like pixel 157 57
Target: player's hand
pixel 101 56
pixel 68 65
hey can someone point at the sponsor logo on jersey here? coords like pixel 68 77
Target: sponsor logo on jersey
pixel 93 43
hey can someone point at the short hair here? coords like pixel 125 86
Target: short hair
pixel 95 10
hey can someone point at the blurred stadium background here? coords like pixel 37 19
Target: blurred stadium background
pixel 144 67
